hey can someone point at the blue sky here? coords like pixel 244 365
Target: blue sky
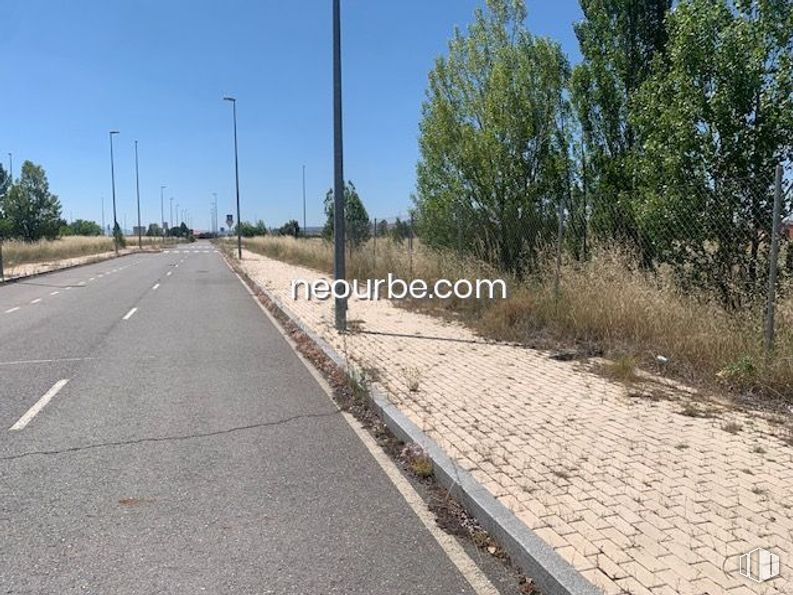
pixel 157 69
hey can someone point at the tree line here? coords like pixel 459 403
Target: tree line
pixel 663 141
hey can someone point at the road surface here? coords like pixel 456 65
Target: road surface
pixel 159 435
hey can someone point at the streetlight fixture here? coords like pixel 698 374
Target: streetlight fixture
pixel 137 193
pixel 340 309
pixel 233 101
pixel 113 183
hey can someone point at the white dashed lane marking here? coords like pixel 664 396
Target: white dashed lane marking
pixel 36 301
pixel 130 314
pixel 40 404
pixel 12 310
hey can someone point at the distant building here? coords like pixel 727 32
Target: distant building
pixel 138 230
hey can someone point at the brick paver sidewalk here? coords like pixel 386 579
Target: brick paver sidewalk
pixel 634 491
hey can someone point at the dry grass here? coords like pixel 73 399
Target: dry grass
pixel 16 252
pixel 605 305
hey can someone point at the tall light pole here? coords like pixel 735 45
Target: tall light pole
pixel 170 219
pixel 137 193
pixel 233 101
pixel 214 213
pixel 304 200
pixel 104 231
pixel 338 170
pixel 162 213
pixel 113 183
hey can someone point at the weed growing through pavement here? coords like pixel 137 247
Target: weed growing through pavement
pixel 732 427
pixel 412 379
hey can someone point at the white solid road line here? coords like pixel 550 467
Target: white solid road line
pixel 130 314
pixel 36 301
pixel 24 362
pixel 155 287
pixel 12 310
pixel 40 404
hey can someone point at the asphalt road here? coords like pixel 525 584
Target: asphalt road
pixel 190 450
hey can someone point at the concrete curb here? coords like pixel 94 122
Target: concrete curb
pixel 552 573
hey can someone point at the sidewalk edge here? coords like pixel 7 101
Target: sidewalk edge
pixel 552 573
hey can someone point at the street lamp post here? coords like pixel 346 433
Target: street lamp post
pixel 113 183
pixel 137 193
pixel 214 213
pixel 170 219
pixel 338 170
pixel 233 101
pixel 162 213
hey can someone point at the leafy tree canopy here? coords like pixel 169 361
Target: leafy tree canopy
pixel 493 139
pixel 32 212
pixel 356 219
pixel 290 228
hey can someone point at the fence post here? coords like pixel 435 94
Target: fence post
pixel 410 245
pixel 772 265
pixel 559 237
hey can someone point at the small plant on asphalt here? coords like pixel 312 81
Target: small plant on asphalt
pixel 422 466
pixel 417 460
pixel 358 385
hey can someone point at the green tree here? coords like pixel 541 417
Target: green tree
pixel 154 231
pixel 290 228
pixel 118 236
pixel 492 140
pixel 618 40
pixel 250 230
pixel 5 184
pixel 356 219
pixel 400 230
pixel 81 227
pixel 715 119
pixel 32 211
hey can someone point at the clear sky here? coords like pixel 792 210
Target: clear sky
pixel 157 69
